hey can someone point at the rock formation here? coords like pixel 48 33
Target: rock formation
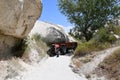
pixel 17 18
pixel 51 32
pixel 42 33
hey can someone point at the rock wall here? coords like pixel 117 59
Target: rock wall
pixel 6 44
pixel 17 18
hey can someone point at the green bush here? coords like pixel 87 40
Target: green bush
pixel 101 40
pixel 102 35
pixel 82 50
pixel 36 43
pixel 36 37
pixel 105 35
pixel 86 48
pixel 112 38
pixel 117 30
pixel 90 46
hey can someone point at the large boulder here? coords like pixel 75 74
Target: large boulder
pixel 51 33
pixel 17 18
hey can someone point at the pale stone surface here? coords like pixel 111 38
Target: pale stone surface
pixel 51 32
pixel 17 18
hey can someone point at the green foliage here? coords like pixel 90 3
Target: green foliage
pixel 82 50
pixel 102 39
pixel 85 48
pixel 105 35
pixel 35 42
pixel 89 15
pixel 90 46
pixel 112 38
pixel 36 37
pixel 102 35
pixel 117 30
pixel 39 41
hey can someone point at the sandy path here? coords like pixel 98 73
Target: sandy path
pixel 52 68
pixel 90 66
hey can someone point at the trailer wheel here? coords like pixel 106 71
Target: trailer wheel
pixel 51 53
pixel 63 50
pixel 58 53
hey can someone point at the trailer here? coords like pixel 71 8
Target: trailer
pixel 62 48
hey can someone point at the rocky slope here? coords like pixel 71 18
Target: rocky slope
pixel 36 65
pixel 90 68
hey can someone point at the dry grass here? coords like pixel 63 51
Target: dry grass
pixel 111 66
pixel 36 49
pixel 86 48
pixel 76 62
pixel 11 68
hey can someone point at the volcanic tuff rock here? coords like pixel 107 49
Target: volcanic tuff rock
pixel 17 18
pixel 51 32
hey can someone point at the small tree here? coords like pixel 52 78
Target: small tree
pixel 89 15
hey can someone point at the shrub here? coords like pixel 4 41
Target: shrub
pixel 105 35
pixel 82 50
pixel 90 46
pixel 102 39
pixel 117 30
pixel 36 37
pixel 36 47
pixel 37 42
pixel 85 48
pixel 112 38
pixel 102 35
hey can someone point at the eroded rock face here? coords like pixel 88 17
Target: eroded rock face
pixel 51 33
pixel 17 18
pixel 6 45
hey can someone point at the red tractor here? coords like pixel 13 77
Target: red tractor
pixel 61 48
